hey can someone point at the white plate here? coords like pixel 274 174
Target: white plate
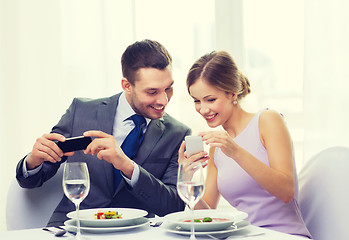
pixel 173 228
pixel 71 226
pixel 128 216
pixel 179 218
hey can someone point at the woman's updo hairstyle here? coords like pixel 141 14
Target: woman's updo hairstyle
pixel 219 70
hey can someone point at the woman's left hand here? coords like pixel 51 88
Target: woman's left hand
pixel 198 157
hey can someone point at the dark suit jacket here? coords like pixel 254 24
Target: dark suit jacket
pixel 157 157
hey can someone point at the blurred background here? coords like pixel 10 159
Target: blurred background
pixel 294 53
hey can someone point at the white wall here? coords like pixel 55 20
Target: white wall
pixel 52 51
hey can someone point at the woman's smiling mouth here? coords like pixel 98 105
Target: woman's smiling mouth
pixel 210 117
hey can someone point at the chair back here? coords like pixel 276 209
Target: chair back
pixel 324 194
pixel 32 208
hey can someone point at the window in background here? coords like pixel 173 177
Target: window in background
pixel 274 41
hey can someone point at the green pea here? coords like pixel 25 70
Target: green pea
pixel 207 219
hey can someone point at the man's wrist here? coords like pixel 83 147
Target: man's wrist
pixel 29 172
pixel 128 169
pixel 29 163
pixel 135 175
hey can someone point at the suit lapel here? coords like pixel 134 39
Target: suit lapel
pixel 105 118
pixel 151 137
pixel 106 114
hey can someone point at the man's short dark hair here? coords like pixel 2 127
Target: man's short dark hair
pixel 144 54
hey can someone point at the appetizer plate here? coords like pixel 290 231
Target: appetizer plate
pixel 128 216
pixel 70 225
pixel 239 225
pixel 220 219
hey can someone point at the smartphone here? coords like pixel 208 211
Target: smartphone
pixel 194 144
pixel 74 144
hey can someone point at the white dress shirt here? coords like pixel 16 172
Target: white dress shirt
pixel 123 125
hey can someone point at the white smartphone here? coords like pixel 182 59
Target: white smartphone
pixel 194 144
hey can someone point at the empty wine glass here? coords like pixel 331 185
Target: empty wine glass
pixel 190 186
pixel 76 185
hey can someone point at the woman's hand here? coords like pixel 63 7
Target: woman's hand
pixel 200 157
pixel 222 140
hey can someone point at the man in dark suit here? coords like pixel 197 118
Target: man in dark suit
pixel 148 179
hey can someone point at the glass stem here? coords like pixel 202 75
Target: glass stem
pixel 192 234
pixel 78 233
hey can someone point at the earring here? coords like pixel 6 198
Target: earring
pixel 235 102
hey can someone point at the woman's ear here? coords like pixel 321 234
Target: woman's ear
pixel 234 98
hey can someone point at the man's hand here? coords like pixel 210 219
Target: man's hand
pixel 45 149
pixel 105 147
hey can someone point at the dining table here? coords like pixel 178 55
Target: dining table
pixel 152 230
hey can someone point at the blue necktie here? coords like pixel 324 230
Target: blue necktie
pixel 131 144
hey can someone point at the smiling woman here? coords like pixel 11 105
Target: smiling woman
pixel 254 150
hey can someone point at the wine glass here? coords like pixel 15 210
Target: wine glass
pixel 190 186
pixel 76 185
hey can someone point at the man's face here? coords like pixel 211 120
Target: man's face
pixel 152 91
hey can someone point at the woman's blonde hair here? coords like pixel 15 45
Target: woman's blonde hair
pixel 219 70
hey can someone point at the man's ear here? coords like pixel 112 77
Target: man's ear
pixel 126 85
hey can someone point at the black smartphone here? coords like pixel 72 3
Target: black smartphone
pixel 74 144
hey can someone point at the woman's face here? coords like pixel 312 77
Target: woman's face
pixel 213 104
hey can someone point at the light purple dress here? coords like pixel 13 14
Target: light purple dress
pixel 244 193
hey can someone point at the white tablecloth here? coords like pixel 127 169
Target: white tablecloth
pixel 146 233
